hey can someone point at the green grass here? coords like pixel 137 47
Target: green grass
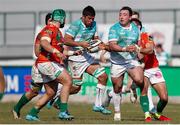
pixel 131 114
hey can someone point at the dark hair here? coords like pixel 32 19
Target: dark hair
pixel 138 21
pixel 88 11
pixel 136 13
pixel 127 8
pixel 48 16
pixel 158 45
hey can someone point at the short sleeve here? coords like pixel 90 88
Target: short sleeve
pixel 112 34
pixel 72 30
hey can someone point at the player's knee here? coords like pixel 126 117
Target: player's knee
pixel 139 81
pixel 50 93
pixel 164 99
pixel 103 78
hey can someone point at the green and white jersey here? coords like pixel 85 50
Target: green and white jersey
pixel 81 33
pixel 124 37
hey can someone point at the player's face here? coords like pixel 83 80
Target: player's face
pixel 88 20
pixel 124 17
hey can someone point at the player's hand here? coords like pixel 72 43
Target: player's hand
pixel 131 48
pixel 84 44
pixel 102 46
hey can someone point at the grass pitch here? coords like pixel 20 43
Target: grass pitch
pixel 131 114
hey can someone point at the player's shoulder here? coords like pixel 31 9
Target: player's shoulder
pixel 115 26
pixel 49 29
pixel 76 22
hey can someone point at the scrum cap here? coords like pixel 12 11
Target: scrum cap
pixel 59 15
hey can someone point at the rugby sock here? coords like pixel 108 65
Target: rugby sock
pixel 100 89
pixel 34 111
pixel 63 107
pixel 161 105
pixel 117 102
pixel 144 103
pixel 23 100
pixel 58 102
pixel 151 105
pixel 1 96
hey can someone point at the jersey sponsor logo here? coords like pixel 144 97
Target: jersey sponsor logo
pixel 158 75
pixel 48 31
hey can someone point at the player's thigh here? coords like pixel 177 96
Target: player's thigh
pixel 64 78
pixel 117 81
pixel 91 69
pixel 136 74
pixel 51 87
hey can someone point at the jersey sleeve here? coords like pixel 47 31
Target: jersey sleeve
pixel 112 35
pixel 72 30
pixel 46 34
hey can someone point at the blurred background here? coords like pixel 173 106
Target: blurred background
pixel 20 20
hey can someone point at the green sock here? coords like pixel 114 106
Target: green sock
pixel 144 103
pixel 34 111
pixel 1 96
pixel 161 105
pixel 63 107
pixel 58 102
pixel 21 103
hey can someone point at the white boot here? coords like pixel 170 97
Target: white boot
pixel 117 117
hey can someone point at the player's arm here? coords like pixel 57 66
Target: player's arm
pixel 149 48
pixel 37 49
pixel 45 44
pixel 69 41
pixel 113 46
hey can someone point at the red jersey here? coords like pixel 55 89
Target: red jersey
pixel 150 60
pixel 56 37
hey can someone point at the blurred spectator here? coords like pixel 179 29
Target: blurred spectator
pixel 162 56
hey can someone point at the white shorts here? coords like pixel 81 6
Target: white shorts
pixel 46 72
pixel 119 69
pixel 155 75
pixel 78 68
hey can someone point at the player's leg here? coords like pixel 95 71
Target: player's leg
pixel 55 101
pixel 117 76
pixel 117 86
pixel 51 89
pixel 66 80
pixel 158 83
pixel 137 75
pixel 155 78
pixel 162 93
pixel 99 73
pixel 2 84
pixel 25 98
pixel 36 86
